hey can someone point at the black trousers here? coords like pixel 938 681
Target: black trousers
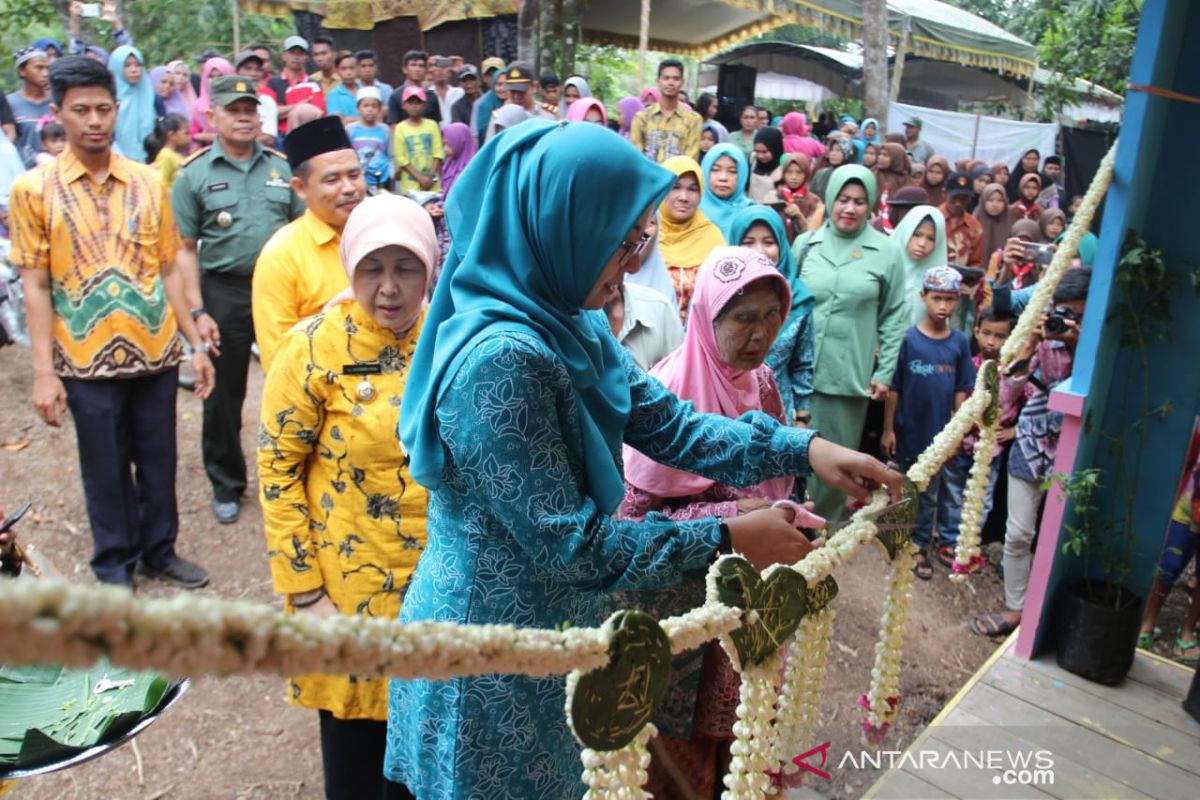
pixel 126 433
pixel 227 299
pixel 352 757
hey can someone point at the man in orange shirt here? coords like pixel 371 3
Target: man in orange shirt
pixel 94 237
pixel 964 233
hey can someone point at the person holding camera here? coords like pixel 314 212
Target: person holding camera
pixel 1045 363
pixel 1015 270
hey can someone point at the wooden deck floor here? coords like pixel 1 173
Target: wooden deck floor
pixel 1130 741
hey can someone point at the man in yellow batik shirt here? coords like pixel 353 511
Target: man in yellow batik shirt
pixel 94 237
pixel 299 269
pixel 667 128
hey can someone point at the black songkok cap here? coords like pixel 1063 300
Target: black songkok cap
pixel 322 135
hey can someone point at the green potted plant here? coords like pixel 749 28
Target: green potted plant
pixel 1098 614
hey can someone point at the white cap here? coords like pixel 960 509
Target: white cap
pixel 368 93
pixel 295 41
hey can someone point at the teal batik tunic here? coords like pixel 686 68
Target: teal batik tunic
pixel 512 539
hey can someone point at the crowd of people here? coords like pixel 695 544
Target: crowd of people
pixel 606 344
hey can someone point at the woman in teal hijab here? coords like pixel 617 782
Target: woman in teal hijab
pixel 135 116
pixel 920 243
pixel 860 310
pixel 791 357
pixel 518 402
pixel 869 132
pixel 721 210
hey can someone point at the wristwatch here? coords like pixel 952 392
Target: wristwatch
pixel 725 547
pixel 197 313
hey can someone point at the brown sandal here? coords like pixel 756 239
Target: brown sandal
pixel 922 569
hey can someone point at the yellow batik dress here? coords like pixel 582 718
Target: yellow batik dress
pixel 339 507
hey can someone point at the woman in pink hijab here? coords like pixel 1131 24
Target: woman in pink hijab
pixel 203 132
pixel 650 96
pixel 588 109
pixel 740 304
pixel 796 138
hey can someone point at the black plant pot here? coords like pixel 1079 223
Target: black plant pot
pixel 1097 639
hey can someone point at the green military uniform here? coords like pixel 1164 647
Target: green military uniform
pixel 231 207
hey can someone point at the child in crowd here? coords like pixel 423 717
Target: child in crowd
pixel 708 138
pixel 934 372
pixel 1045 363
pixel 992 329
pixel 869 155
pixel 1182 545
pixel 418 146
pixel 1026 206
pixel 372 140
pixel 342 99
pixel 166 146
pixel 803 209
pixel 54 141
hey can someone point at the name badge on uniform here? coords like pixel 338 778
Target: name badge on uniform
pixel 217 187
pixel 365 368
pixel 276 181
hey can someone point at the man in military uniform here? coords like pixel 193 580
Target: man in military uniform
pixel 232 196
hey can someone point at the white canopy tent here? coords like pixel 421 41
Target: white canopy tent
pixel 933 84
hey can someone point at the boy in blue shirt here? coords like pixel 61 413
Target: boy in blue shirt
pixel 372 140
pixel 934 374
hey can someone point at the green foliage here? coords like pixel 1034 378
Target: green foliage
pixel 1143 313
pixel 163 30
pixel 1090 40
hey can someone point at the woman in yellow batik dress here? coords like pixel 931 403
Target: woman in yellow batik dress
pixel 345 523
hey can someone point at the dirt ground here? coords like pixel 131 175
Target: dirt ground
pixel 237 738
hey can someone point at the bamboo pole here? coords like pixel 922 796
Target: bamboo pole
pixel 898 72
pixel 237 28
pixel 643 43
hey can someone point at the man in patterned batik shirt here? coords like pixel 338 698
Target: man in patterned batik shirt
pixel 667 128
pixel 94 237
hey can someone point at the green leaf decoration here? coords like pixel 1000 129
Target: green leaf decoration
pixel 780 600
pixel 991 380
pixel 50 713
pixel 905 516
pixel 821 595
pixel 610 705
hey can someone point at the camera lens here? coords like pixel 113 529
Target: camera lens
pixel 1055 324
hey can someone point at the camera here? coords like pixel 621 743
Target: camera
pixel 1056 321
pixel 1038 253
pixel 90 10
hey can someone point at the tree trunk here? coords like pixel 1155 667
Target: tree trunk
pixel 570 34
pixel 875 82
pixel 527 30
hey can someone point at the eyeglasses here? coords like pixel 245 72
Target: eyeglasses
pixel 633 249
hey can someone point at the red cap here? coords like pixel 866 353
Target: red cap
pixel 411 92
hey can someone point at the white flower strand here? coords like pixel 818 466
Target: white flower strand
pixel 619 774
pixel 47 622
pixel 1043 295
pixel 967 552
pixel 949 438
pixel 882 700
pixel 691 630
pixel 800 693
pixel 748 778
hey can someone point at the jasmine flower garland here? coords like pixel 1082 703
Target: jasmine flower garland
pixel 968 556
pixel 882 700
